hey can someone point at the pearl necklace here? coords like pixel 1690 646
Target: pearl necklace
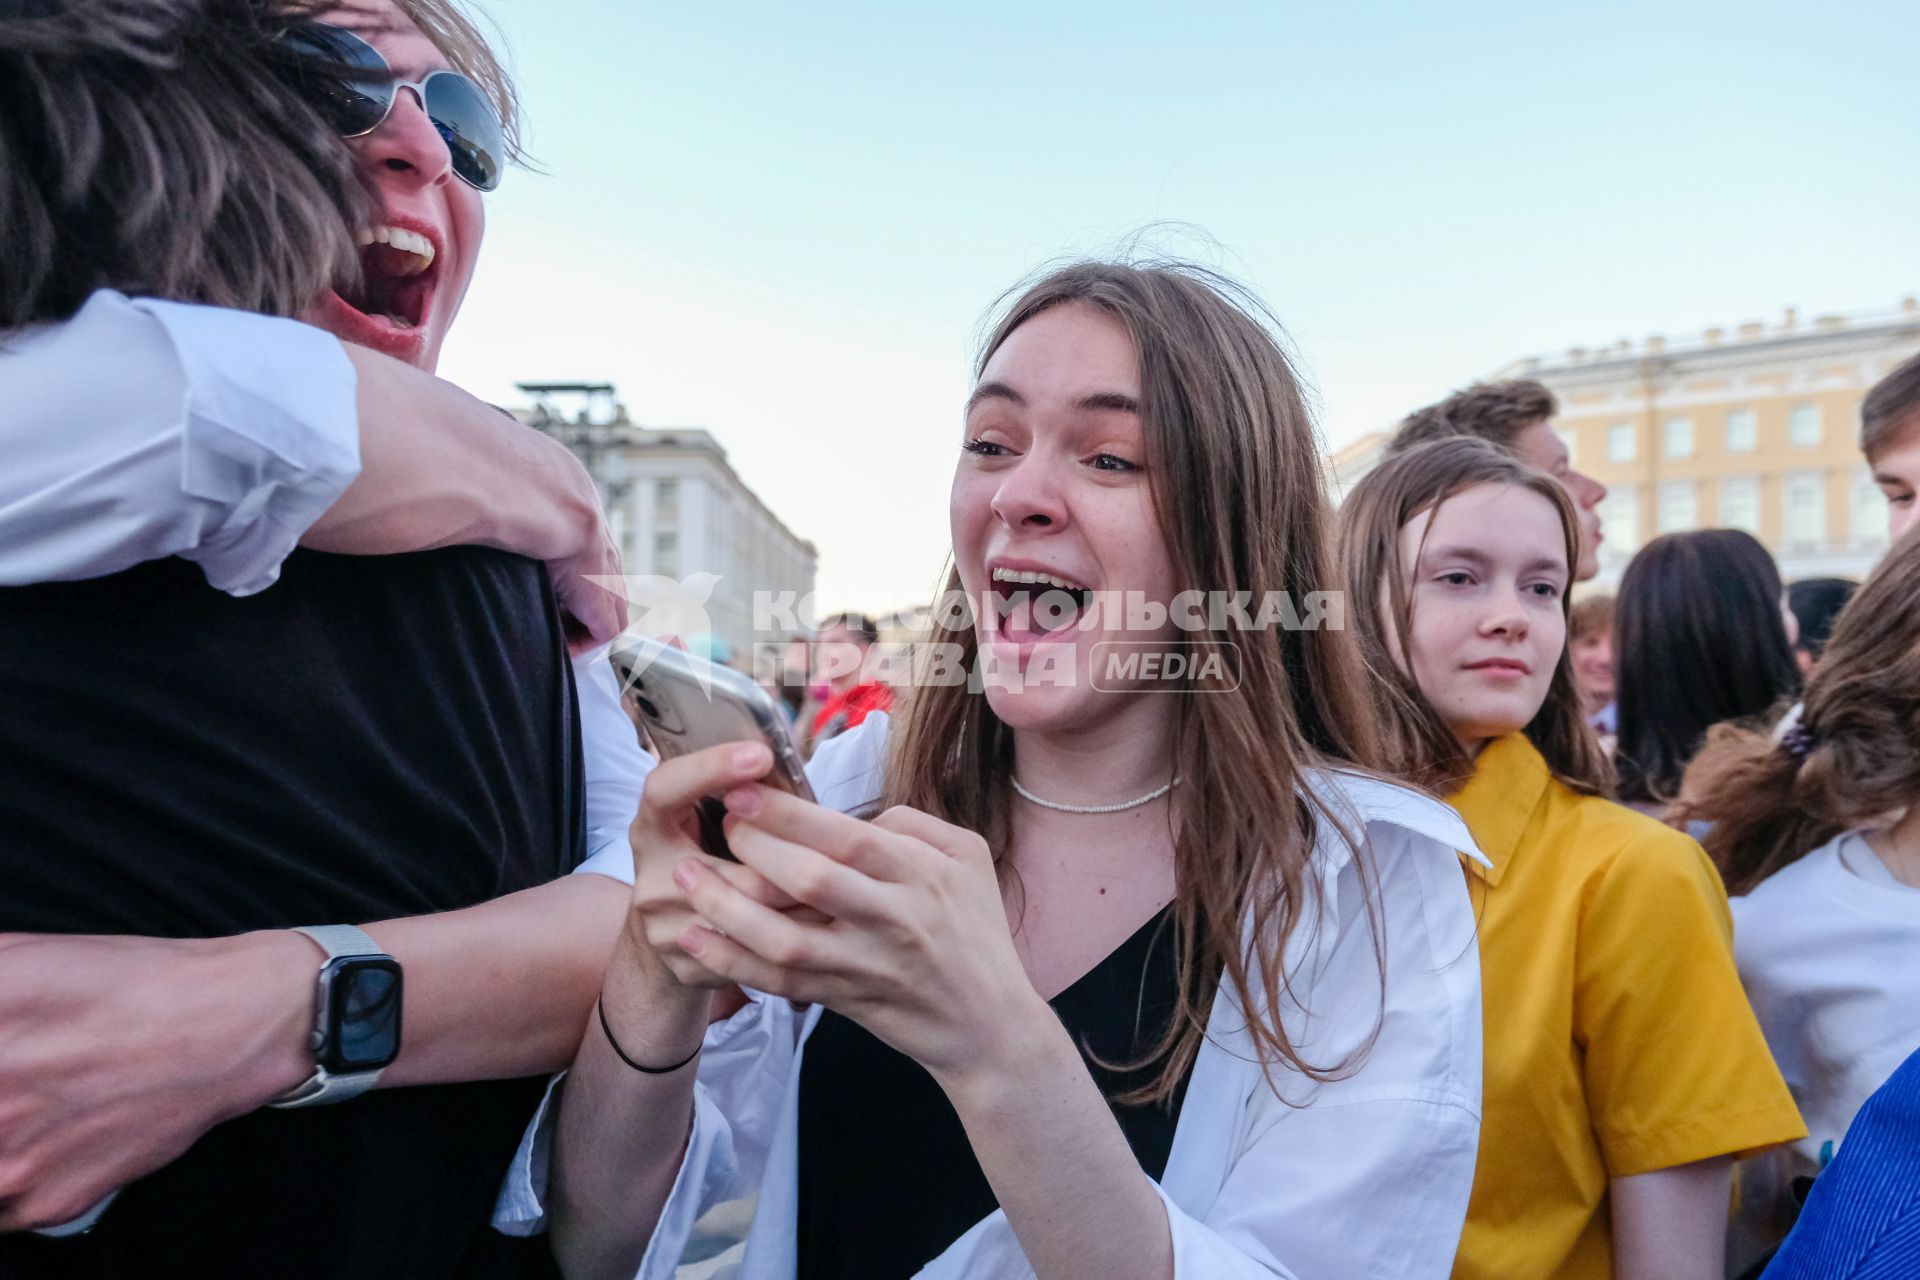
pixel 1124 805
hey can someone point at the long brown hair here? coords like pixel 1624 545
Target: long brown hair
pixel 1418 744
pixel 1861 724
pixel 1231 447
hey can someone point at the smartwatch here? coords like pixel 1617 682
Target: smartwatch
pixel 356 1017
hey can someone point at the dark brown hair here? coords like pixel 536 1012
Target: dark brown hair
pixel 1861 718
pixel 1699 638
pixel 153 146
pixel 1496 412
pixel 1891 409
pixel 1236 473
pixel 1418 743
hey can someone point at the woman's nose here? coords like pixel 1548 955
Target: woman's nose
pixel 1029 496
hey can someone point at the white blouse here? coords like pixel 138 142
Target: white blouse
pixel 1829 950
pixel 1362 1176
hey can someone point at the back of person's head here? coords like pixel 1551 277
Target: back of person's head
pixel 1854 755
pixel 1699 638
pixel 1891 411
pixel 1815 603
pixel 1590 616
pixel 1419 745
pixel 1496 412
pixel 862 629
pixel 1238 499
pixel 156 147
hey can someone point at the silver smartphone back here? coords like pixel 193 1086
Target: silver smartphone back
pixel 690 704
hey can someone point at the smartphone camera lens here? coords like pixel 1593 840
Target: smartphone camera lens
pixel 647 708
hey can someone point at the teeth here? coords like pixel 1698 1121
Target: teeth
pixel 1028 577
pixel 410 242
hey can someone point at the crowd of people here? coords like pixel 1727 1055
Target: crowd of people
pixel 347 928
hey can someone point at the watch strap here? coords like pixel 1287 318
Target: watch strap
pixel 338 941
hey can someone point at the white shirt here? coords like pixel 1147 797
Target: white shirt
pixel 1365 1176
pixel 139 430
pixel 1829 950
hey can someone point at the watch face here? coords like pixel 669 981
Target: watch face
pixel 363 1031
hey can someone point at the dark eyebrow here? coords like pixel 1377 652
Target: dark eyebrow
pixel 1117 401
pixel 1112 401
pixel 994 391
pixel 1884 478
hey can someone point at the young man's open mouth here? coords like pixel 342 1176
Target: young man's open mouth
pixel 389 308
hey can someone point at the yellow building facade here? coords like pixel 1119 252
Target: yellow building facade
pixel 1755 427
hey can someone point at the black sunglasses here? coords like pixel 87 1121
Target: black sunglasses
pixel 354 89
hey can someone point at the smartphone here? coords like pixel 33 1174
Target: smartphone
pixel 690 704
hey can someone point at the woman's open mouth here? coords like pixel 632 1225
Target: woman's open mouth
pixel 1031 605
pixel 388 308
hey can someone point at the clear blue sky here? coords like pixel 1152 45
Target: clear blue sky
pixel 785 222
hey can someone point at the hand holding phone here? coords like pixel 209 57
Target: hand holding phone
pixel 689 704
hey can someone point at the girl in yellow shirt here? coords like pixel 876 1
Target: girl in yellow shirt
pixel 1624 1069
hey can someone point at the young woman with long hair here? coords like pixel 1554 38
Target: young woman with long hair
pixel 1133 977
pixel 1623 1065
pixel 1701 637
pixel 1816 828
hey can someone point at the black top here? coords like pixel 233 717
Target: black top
pixel 369 738
pixel 887 1178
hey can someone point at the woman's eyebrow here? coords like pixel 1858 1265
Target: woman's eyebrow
pixel 994 391
pixel 1546 564
pixel 1115 401
pixel 1471 555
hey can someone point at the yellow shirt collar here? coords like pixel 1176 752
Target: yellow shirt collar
pixel 1509 781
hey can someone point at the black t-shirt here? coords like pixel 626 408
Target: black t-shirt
pixel 369 738
pixel 888 1180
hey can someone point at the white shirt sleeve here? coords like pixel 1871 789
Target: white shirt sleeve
pixel 139 430
pixel 615 764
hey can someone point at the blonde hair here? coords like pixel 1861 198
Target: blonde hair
pixel 457 35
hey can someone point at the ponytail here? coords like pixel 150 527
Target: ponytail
pixel 1767 810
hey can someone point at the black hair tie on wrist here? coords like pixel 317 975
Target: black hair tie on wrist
pixel 606 1030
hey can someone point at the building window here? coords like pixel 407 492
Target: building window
pixel 1869 510
pixel 1678 434
pixel 1803 426
pixel 666 502
pixel 1679 506
pixel 666 553
pixel 1806 503
pixel 1740 504
pixel 1743 431
pixel 1620 442
pixel 1620 519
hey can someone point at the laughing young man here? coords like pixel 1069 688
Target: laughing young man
pixel 215 739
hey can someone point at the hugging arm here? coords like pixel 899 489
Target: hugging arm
pixel 139 430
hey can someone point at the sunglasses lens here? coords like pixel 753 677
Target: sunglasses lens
pixel 342 76
pixel 471 127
